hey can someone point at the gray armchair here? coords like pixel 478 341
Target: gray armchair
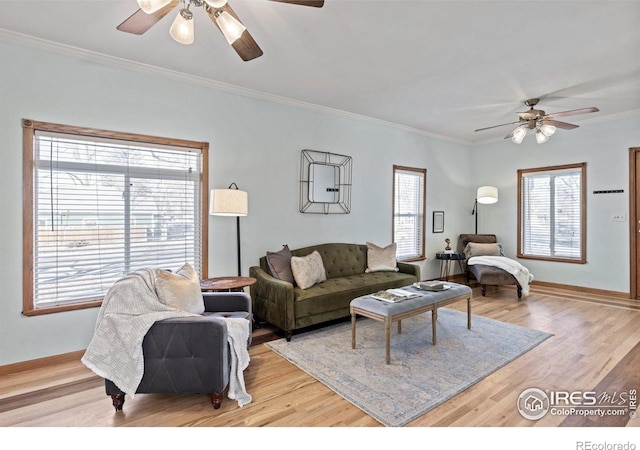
pixel 190 354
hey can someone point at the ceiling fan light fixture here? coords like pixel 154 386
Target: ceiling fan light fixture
pixel 230 26
pixel 541 138
pixel 151 6
pixel 519 133
pixel 217 4
pixel 548 129
pixel 182 28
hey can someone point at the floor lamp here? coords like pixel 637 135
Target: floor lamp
pixel 230 202
pixel 485 195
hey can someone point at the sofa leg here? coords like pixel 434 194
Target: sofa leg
pixel 118 401
pixel 288 335
pixel 216 399
pixel 519 292
pixel 484 289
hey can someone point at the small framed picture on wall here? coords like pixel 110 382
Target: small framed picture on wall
pixel 438 221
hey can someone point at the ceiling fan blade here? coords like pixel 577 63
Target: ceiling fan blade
pixel 314 3
pixel 496 126
pixel 573 112
pixel 558 124
pixel 246 47
pixel 139 22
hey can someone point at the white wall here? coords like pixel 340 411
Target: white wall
pixel 253 143
pixel 605 149
pixel 257 145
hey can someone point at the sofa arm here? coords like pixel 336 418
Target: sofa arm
pixel 226 301
pixel 412 269
pixel 272 299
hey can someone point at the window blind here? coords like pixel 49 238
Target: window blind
pixel 408 213
pixel 552 213
pixel 104 208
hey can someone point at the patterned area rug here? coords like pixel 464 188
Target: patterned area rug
pixel 421 376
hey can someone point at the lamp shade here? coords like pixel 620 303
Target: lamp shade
pixel 182 28
pixel 487 195
pixel 228 202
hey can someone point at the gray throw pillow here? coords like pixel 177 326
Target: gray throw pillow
pixel 280 264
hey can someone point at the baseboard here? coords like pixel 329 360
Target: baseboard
pixel 586 290
pixel 41 362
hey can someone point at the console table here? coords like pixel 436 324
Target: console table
pixel 445 263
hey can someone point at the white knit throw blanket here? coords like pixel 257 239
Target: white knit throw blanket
pixel 520 272
pixel 130 307
pixel 238 336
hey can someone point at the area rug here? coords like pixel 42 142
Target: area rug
pixel 421 376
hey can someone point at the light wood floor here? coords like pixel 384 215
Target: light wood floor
pixel 595 345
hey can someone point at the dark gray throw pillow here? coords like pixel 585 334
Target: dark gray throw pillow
pixel 280 264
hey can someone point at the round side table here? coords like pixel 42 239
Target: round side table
pixel 228 284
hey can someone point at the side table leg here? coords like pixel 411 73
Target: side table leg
pixel 469 313
pixel 353 330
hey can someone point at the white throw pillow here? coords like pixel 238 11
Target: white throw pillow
pixel 381 259
pixel 180 290
pixel 308 270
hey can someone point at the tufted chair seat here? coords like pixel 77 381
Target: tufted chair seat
pixel 290 308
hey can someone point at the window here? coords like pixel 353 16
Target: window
pixel 551 213
pixel 409 191
pixel 101 204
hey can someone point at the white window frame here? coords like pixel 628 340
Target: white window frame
pixel 413 212
pixel 552 248
pixel 33 131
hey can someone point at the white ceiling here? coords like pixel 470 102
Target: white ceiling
pixel 445 68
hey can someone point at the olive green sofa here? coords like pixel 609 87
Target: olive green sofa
pixel 290 308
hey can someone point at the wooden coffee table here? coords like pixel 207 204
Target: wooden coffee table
pixel 394 312
pixel 228 284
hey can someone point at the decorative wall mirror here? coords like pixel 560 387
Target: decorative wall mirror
pixel 325 183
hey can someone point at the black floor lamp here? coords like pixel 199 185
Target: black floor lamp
pixel 230 202
pixel 485 195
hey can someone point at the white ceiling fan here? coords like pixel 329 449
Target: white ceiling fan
pixel 536 119
pixel 220 12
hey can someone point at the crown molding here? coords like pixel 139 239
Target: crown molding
pixel 127 64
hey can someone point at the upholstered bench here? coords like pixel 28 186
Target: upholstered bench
pixel 424 301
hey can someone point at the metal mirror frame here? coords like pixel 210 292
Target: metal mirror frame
pixel 338 197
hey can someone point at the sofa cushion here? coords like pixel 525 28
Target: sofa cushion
pixel 280 264
pixel 308 270
pixel 337 293
pixel 381 259
pixel 180 290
